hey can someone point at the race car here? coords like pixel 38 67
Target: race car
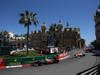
pixel 87 50
pixel 46 61
pixel 51 61
pixel 79 54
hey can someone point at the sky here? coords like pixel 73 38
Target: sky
pixel 78 13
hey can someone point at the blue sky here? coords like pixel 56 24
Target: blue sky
pixel 79 13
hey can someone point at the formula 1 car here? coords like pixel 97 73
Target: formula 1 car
pixel 79 54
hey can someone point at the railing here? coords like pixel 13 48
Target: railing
pixel 95 70
pixel 11 61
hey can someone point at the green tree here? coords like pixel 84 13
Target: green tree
pixel 28 18
pixel 53 28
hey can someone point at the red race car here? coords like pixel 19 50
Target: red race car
pixel 79 54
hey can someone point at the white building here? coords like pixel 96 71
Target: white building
pixel 11 35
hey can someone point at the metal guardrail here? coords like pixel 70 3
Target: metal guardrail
pixel 95 70
pixel 26 60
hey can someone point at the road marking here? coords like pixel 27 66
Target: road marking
pixel 13 66
pixel 88 71
pixel 93 72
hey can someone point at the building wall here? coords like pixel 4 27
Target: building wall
pixel 96 43
pixel 70 37
pixel 97 24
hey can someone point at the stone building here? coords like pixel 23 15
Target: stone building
pixel 63 37
pixel 96 43
pixel 97 24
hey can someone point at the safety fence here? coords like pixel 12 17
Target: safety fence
pixel 23 60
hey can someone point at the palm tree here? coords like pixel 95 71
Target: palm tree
pixel 28 18
pixel 59 27
pixel 51 36
pixel 43 28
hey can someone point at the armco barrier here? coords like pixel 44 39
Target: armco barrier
pixel 2 63
pixel 18 61
pixel 11 61
pixel 27 61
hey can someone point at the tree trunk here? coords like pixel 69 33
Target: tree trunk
pixel 27 38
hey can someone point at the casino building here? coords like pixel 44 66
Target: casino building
pixel 58 36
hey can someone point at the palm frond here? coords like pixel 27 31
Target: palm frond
pixel 28 18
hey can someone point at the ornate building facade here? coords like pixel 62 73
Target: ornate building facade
pixel 96 43
pixel 62 37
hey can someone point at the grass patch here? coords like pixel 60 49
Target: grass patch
pixel 30 53
pixel 22 54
